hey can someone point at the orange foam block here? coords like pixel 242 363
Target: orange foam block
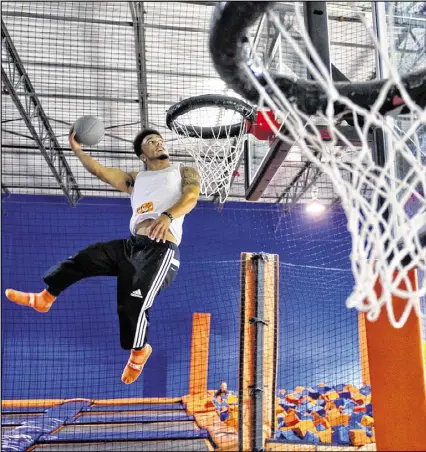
pixel 291 419
pixel 335 418
pixel 359 399
pixel 325 436
pixel 279 409
pixel 350 388
pixel 303 427
pixel 318 420
pixel 292 398
pixel 367 421
pixel 358 437
pixel 329 406
pixel 333 395
pixel 232 423
pixel 232 399
pixel 199 404
pixel 371 439
pixel 360 409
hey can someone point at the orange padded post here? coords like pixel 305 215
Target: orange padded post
pixel 363 354
pixel 249 273
pixel 199 365
pixel 397 379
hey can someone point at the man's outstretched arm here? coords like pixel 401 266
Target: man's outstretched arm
pixel 113 176
pixel 187 201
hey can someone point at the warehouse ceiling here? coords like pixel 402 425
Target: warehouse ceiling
pixel 127 63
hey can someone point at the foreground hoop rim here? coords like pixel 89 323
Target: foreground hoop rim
pixel 209 100
pixel 228 44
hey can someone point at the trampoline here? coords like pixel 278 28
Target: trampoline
pixel 87 425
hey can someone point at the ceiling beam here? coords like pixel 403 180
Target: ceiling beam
pixel 119 100
pixel 5 190
pixel 115 69
pixel 14 75
pixel 138 17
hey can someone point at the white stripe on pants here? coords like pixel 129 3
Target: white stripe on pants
pixel 153 290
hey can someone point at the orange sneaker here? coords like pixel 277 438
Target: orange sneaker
pixel 135 364
pixel 41 302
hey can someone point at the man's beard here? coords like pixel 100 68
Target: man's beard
pixel 163 157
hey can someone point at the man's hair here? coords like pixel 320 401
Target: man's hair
pixel 137 142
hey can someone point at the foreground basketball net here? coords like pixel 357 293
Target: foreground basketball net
pixel 387 240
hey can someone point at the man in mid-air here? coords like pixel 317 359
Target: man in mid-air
pixel 144 264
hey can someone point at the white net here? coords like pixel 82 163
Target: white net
pixel 384 202
pixel 217 155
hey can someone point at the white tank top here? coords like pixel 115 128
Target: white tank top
pixel 153 193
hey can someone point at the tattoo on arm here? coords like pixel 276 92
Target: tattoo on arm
pixel 190 176
pixel 130 181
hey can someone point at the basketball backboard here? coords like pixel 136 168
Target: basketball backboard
pixel 347 61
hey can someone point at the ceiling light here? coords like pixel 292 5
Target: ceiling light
pixel 315 207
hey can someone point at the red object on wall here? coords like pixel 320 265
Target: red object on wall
pixel 260 127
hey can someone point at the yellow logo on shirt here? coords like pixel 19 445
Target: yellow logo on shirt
pixel 146 207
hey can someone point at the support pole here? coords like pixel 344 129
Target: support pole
pixel 258 349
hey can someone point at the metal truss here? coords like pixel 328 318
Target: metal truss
pixel 15 77
pixel 137 11
pixel 301 183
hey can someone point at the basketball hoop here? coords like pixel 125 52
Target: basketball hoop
pixel 212 129
pixel 387 242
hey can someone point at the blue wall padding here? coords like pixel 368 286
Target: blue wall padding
pixel 311 438
pixel 340 435
pixel 154 378
pixel 121 417
pixel 23 437
pixel 137 407
pixel 93 435
pixel 82 326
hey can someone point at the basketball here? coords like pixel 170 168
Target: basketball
pixel 89 130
